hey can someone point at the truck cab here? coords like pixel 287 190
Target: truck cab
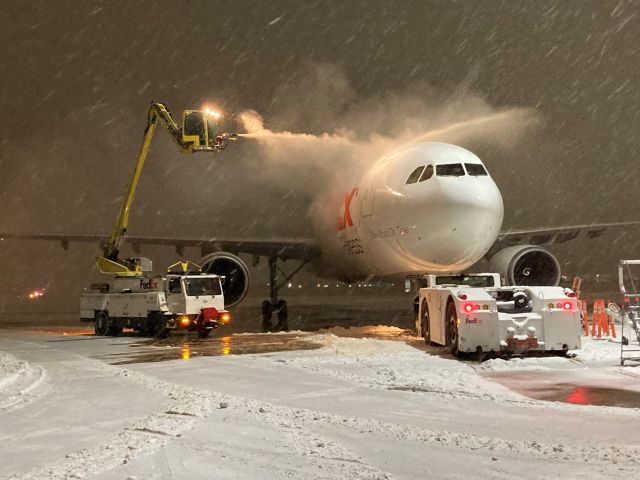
pixel 189 294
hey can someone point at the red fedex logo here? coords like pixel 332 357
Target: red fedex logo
pixel 346 220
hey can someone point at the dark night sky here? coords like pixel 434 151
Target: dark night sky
pixel 77 78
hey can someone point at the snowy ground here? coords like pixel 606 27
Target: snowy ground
pixel 354 408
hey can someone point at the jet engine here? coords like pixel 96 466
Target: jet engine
pixel 526 265
pixel 234 271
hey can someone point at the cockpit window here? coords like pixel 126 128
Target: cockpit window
pixel 415 175
pixel 427 174
pixel 475 169
pixel 450 170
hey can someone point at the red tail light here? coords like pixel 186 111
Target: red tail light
pixel 567 305
pixel 468 307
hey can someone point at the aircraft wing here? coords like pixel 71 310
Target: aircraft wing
pixel 554 235
pixel 283 248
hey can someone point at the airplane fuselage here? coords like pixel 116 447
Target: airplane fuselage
pixel 429 207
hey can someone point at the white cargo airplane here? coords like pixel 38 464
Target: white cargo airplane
pixel 426 208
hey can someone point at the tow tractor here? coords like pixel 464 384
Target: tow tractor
pixel 134 298
pixel 475 314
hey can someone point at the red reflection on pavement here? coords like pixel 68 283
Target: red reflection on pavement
pixel 579 396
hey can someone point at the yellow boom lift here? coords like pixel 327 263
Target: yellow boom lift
pixel 197 134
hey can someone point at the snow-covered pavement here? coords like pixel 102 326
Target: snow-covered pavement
pixel 355 408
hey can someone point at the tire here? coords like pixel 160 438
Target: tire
pixel 416 316
pixel 204 333
pixel 145 327
pixel 453 339
pixel 115 328
pixel 101 324
pixel 159 326
pixel 267 311
pixel 425 329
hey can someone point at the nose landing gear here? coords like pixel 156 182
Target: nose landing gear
pixel 276 305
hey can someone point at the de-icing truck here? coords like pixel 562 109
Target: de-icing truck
pixel 136 299
pixel 155 305
pixel 474 314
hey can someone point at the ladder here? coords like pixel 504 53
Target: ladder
pixel 629 314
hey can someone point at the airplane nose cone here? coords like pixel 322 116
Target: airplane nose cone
pixel 468 220
pixel 460 221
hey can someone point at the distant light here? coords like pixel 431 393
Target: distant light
pixel 212 113
pixel 289 285
pixel 35 294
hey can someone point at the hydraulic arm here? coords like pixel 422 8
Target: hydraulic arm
pixel 198 134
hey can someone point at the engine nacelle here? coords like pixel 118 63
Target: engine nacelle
pixel 526 265
pixel 236 282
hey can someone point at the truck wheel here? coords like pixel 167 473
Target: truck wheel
pixel 453 339
pixel 115 328
pixel 101 323
pixel 424 324
pixel 203 333
pixel 159 326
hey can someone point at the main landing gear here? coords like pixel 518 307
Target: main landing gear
pixel 276 305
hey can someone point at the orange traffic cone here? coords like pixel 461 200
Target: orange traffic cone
pixel 585 318
pixel 605 319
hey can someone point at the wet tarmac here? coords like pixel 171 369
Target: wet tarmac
pixel 555 388
pixel 185 347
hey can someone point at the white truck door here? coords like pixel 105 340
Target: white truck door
pixel 175 295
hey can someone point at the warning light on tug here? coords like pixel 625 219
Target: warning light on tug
pixel 225 318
